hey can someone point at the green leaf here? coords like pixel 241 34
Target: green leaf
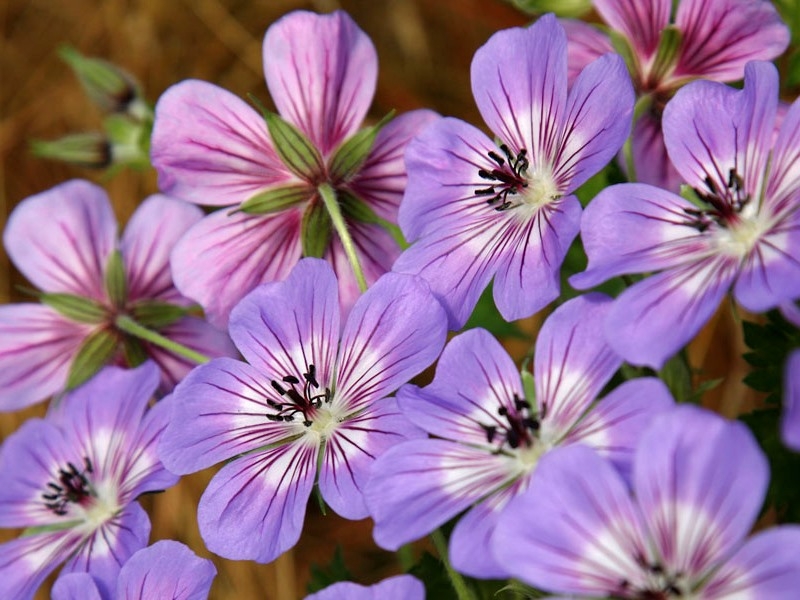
pixel 322 577
pixel 487 316
pixel 94 354
pixel 116 280
pixel 295 149
pixel 349 157
pixel 770 344
pixel 76 308
pixel 274 200
pixel 676 374
pixel 355 209
pixel 431 572
pixel 316 230
pixel 155 314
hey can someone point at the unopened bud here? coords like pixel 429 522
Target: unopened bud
pixel 107 85
pixel 83 149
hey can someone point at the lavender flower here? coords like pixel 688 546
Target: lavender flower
pixel 698 485
pixel 309 408
pixel 489 437
pixel 211 148
pixel 72 480
pixel 790 424
pixel 708 39
pixel 741 231
pixel 167 569
pixel 477 211
pixel 401 587
pixel 65 242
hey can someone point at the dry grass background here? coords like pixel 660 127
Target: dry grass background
pixel 424 49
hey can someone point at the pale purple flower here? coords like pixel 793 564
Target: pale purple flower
pixel 790 424
pixel 212 148
pixel 72 480
pixel 63 240
pixel 400 587
pixel 718 38
pixel 477 210
pixel 488 437
pixel 308 408
pixel 698 485
pixel 165 570
pixel 741 233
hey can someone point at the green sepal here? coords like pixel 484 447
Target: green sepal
pixel 528 387
pixel 355 209
pixel 678 377
pixel 134 351
pixel 274 200
pixel 91 150
pixel 349 157
pixel 689 193
pixel 295 149
pixel 95 352
pixel 107 85
pixel 623 47
pixel 667 53
pixel 75 308
pixel 316 230
pixel 115 280
pixel 155 314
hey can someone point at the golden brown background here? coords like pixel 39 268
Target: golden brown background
pixel 424 48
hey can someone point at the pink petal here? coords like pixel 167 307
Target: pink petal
pixel 585 43
pixel 641 21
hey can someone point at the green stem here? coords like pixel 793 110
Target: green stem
pixel 332 205
pixel 128 325
pixel 456 580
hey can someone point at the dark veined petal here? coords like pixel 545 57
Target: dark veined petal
pixel 641 21
pixel 784 174
pixel 61 239
pixel 651 162
pixel 209 147
pixel 585 43
pixel 321 71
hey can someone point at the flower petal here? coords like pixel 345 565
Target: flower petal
pixel 351 450
pixel 719 38
pixel 790 424
pixel 224 256
pixel 579 522
pixel 651 162
pixel 700 481
pixel 572 363
pixel 75 586
pixel 585 43
pixel 61 239
pixel 209 147
pixel 784 175
pixel 37 347
pixel 640 21
pixel 321 71
pixel 399 587
pixel 254 508
pixel 519 81
pixel 149 236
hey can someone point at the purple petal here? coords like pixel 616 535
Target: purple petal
pixel 475 376
pixel 572 363
pixel 700 481
pixel 766 566
pixel 394 331
pixel 218 412
pixel 650 159
pixel 585 43
pixel 417 486
pixel 224 256
pixel 790 424
pixel 519 80
pixel 656 317
pixel 209 147
pixel 399 587
pixel 636 228
pixel 615 424
pixel 37 347
pixel 351 450
pixel 719 38
pixel 381 180
pixel 61 239
pixel 784 175
pixel 149 236
pixel 578 520
pixel 75 586
pixel 321 71
pixel 167 569
pixel 254 508
pixel 640 22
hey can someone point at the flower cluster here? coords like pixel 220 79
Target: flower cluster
pixel 287 332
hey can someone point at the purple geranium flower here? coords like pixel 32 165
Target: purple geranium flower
pixel 211 148
pixel 741 231
pixel 715 40
pixel 698 485
pixel 310 407
pixel 72 479
pixel 478 211
pixel 165 570
pixel 401 587
pixel 790 425
pixel 65 242
pixel 488 437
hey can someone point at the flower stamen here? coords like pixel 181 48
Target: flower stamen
pixel 510 179
pixel 306 402
pixel 72 487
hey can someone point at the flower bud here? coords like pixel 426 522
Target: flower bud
pixel 84 149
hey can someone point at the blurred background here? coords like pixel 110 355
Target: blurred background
pixel 424 50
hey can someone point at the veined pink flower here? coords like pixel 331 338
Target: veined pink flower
pixel 211 148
